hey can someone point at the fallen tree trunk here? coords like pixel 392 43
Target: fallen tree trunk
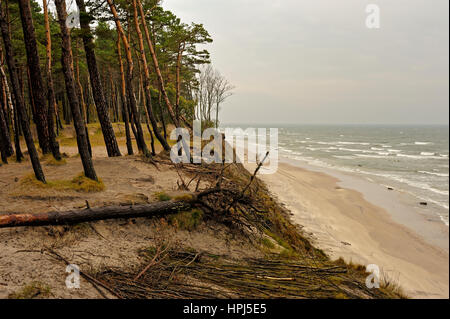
pixel 91 214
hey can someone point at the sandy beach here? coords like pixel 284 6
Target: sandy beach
pixel 370 226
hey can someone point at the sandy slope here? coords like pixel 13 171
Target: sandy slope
pixel 344 224
pixel 114 243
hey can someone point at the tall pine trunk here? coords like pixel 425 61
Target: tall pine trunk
pixel 4 124
pixel 99 95
pixel 5 141
pixel 129 81
pixel 125 110
pixel 181 49
pixel 146 84
pixel 51 100
pixel 67 62
pixel 37 88
pixel 156 65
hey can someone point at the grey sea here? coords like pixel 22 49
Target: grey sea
pixel 412 159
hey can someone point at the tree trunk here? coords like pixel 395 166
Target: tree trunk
pixel 4 126
pixel 5 141
pixel 37 87
pixel 19 154
pixel 18 97
pixel 161 112
pixel 178 80
pixel 148 97
pixel 80 95
pixel 14 117
pixel 99 95
pixel 125 110
pixel 52 107
pixel 131 100
pixel 92 214
pixel 67 62
pixel 157 69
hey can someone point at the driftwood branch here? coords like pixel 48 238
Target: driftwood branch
pixel 236 199
pixel 91 214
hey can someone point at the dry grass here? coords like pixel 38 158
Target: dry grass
pixel 49 160
pixel 79 183
pixel 162 197
pixel 392 287
pixel 33 290
pixel 189 220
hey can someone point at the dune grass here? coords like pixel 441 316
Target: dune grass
pixel 188 220
pixel 79 183
pixel 32 290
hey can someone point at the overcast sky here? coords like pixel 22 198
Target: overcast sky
pixel 315 61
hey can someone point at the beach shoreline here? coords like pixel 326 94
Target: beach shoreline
pixel 364 222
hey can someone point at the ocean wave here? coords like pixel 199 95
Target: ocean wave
pixel 349 157
pixel 415 184
pixel 423 143
pixel 353 143
pixel 351 150
pixel 434 173
pixel 373 156
pixel 394 151
pixel 326 143
pixel 419 156
pixel 427 153
pixel 315 148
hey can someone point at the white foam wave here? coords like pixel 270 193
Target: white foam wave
pixel 353 143
pixel 373 156
pixel 349 157
pixel 419 156
pixel 427 153
pixel 434 173
pixel 423 143
pixel 415 184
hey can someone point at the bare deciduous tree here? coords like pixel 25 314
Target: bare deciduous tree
pixel 212 90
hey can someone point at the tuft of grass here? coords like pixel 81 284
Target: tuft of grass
pixel 351 265
pixel 266 242
pixel 163 197
pixel 391 287
pixel 188 220
pixel 341 295
pixel 54 162
pixel 32 290
pixel 83 184
pixel 79 183
pixel 184 198
pixel 288 254
pixel 278 239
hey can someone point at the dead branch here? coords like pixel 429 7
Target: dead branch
pixel 91 214
pixel 89 278
pixel 236 199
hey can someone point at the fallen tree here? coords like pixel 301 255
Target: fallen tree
pixel 91 214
